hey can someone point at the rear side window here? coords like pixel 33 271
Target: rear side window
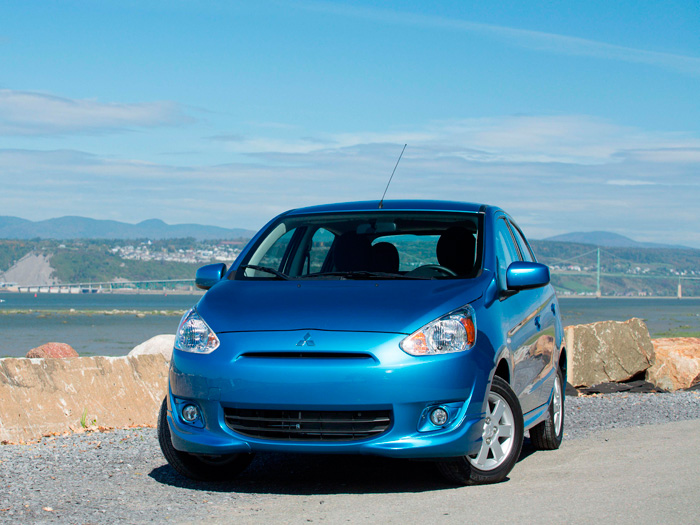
pixel 524 247
pixel 505 249
pixel 321 244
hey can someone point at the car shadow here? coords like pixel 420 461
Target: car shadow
pixel 527 450
pixel 307 474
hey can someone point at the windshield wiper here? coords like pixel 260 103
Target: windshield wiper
pixel 267 269
pixel 363 274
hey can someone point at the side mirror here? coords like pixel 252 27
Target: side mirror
pixel 522 275
pixel 207 276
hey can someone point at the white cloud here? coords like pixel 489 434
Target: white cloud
pixel 627 182
pixel 672 155
pixel 538 40
pixel 31 113
pixel 570 139
pixel 554 174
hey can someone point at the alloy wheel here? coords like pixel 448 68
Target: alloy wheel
pixel 497 435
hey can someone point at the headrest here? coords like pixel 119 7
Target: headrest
pixel 455 250
pixel 352 252
pixel 385 258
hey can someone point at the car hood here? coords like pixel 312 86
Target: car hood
pixel 397 306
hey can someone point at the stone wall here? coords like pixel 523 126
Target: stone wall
pixel 43 396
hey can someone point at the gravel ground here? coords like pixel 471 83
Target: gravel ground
pixel 121 476
pixel 586 414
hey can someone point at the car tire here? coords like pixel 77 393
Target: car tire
pixel 195 466
pixel 548 434
pixel 502 441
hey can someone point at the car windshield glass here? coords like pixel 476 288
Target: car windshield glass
pixel 367 245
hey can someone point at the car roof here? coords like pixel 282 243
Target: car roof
pixel 393 205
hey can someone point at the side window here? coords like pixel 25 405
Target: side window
pixel 320 244
pixel 505 250
pixel 274 255
pixel 524 247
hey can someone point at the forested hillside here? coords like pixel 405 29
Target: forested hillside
pixel 624 270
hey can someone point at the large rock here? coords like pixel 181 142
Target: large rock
pixel 677 363
pixel 52 350
pixel 159 344
pixel 608 351
pixel 43 396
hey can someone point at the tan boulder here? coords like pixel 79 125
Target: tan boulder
pixel 677 363
pixel 52 351
pixel 607 351
pixel 44 396
pixel 159 344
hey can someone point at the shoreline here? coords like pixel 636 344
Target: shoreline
pixel 112 324
pixel 201 292
pixel 641 297
pixel 73 311
pixel 106 292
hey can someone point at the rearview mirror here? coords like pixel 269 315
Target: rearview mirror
pixel 207 276
pixel 376 227
pixel 523 275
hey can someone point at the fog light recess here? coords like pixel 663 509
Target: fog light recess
pixel 190 413
pixel 438 416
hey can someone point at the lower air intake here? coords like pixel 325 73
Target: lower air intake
pixel 307 425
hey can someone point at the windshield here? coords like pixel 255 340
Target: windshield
pixel 367 245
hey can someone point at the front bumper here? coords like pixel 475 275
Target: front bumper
pixel 249 371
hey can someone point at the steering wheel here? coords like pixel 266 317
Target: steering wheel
pixel 429 270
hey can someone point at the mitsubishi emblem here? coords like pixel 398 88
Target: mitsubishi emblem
pixel 307 341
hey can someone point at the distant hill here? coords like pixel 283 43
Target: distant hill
pixel 610 239
pixel 84 228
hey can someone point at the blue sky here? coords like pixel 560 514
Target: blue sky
pixel 573 116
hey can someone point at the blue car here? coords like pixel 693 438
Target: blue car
pixel 408 329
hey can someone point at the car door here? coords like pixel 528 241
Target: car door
pixel 523 317
pixel 544 350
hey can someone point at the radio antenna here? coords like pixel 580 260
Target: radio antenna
pixel 381 202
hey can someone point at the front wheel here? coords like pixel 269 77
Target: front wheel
pixel 501 441
pixel 548 434
pixel 197 466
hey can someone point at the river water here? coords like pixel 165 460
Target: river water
pixel 27 321
pixel 92 328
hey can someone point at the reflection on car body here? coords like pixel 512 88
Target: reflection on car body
pixel 424 329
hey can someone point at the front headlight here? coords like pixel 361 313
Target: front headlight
pixel 454 332
pixel 194 335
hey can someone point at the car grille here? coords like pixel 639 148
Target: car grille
pixel 308 425
pixel 307 355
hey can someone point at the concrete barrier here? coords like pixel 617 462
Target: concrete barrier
pixel 44 396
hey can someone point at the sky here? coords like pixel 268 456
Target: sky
pixel 571 116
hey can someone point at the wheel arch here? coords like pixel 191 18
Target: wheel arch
pixel 503 370
pixel 562 362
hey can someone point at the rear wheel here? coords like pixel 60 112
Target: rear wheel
pixel 501 441
pixel 197 466
pixel 548 434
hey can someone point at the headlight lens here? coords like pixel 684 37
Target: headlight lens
pixel 454 332
pixel 194 335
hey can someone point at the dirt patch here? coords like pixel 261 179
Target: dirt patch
pixel 32 269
